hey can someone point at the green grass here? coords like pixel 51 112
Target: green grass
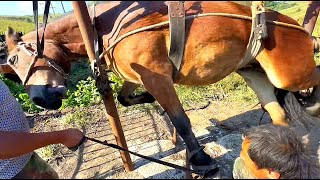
pixel 18 26
pixel 24 24
pixel 80 117
pixel 47 153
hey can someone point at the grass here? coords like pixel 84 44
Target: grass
pixel 48 152
pixel 18 26
pixel 81 117
pixel 24 24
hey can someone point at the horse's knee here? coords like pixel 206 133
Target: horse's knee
pixel 276 113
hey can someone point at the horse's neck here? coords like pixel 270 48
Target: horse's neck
pixel 64 33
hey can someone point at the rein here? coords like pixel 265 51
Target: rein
pixel 40 44
pixel 203 173
pixel 165 23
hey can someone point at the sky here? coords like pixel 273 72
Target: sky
pixel 20 8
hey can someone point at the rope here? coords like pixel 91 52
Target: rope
pixel 158 25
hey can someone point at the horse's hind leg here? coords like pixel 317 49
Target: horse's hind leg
pixel 261 85
pixel 126 97
pixel 161 87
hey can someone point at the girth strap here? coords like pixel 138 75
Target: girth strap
pixel 257 35
pixel 176 15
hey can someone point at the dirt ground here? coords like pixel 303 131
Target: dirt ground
pixel 218 126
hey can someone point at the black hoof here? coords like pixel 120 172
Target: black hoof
pixel 203 165
pixel 211 174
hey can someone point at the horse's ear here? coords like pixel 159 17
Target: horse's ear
pixel 12 38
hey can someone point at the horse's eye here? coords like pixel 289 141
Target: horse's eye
pixel 13 60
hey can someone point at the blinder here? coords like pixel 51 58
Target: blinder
pixel 13 60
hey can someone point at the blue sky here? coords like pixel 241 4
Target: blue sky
pixel 20 8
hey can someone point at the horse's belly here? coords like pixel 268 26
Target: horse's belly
pixel 211 63
pixel 206 71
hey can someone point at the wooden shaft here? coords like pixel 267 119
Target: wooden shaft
pixel 85 26
pixel 311 16
pixel 112 115
pixel 83 18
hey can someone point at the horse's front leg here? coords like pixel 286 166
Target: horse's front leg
pixel 127 98
pixel 161 87
pixel 264 89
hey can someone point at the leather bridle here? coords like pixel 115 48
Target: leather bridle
pixel 29 49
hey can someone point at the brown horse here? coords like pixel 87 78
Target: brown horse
pixel 214 48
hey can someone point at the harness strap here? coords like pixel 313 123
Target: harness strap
pixel 40 44
pixel 95 34
pixel 45 20
pixel 192 153
pixel 257 35
pixel 99 74
pixel 95 63
pixel 177 34
pixel 165 23
pixel 35 15
pixel 29 72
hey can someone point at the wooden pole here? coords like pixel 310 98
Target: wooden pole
pixel 83 18
pixel 311 16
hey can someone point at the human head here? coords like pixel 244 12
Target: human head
pixel 273 152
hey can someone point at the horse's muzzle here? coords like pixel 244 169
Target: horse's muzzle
pixel 47 97
pixel 59 91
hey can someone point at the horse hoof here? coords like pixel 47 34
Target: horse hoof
pixel 208 174
pixel 207 169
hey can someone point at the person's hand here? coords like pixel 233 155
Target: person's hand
pixel 72 137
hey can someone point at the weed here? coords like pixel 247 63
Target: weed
pixel 80 118
pixel 48 152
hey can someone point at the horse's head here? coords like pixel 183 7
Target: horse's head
pixel 44 77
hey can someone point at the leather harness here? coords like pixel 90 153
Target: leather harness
pixel 176 15
pixel 177 28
